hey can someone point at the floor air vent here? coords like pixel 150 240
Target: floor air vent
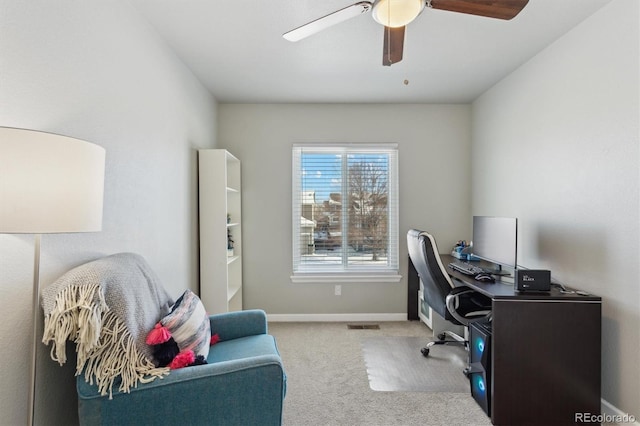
pixel 363 326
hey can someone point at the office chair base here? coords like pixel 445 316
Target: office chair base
pixel 442 340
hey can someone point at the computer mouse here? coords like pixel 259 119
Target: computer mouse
pixel 483 277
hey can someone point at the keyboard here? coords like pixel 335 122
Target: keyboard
pixel 465 268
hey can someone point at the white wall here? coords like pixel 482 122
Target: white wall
pixel 556 144
pixel 95 70
pixel 434 169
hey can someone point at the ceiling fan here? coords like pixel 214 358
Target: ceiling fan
pixel 394 15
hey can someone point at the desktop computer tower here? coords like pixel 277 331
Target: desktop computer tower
pixel 480 368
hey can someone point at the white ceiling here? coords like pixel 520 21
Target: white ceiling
pixel 235 47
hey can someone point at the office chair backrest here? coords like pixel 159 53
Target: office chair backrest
pixel 424 254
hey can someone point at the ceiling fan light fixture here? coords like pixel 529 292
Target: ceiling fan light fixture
pixel 397 13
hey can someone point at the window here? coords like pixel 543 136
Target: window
pixel 345 212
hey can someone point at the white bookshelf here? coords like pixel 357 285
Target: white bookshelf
pixel 220 213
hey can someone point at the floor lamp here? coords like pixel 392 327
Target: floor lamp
pixel 48 184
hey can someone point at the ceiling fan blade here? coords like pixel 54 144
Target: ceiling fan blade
pixel 501 9
pixel 393 45
pixel 327 21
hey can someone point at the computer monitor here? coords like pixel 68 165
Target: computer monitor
pixel 495 239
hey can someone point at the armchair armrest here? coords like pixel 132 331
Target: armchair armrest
pixel 233 325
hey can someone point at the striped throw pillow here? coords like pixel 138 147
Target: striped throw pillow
pixel 189 325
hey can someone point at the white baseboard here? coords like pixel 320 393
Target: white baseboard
pixel 612 414
pixel 336 317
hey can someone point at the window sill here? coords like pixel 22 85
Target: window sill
pixel 346 278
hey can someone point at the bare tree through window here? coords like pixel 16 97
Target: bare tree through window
pixel 368 204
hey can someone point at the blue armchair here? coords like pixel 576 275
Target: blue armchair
pixel 108 306
pixel 243 383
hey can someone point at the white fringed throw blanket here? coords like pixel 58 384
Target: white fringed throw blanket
pixel 107 307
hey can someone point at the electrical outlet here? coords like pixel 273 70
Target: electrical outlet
pixel 338 290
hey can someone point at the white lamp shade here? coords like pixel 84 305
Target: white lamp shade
pixel 49 183
pixel 397 13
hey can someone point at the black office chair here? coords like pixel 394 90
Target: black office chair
pixel 459 305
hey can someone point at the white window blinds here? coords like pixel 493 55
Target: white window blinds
pixel 345 209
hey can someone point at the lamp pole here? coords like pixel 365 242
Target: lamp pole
pixel 34 346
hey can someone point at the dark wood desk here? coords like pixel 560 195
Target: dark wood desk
pixel 545 353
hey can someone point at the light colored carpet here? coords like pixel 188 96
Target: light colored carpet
pixel 396 364
pixel 327 382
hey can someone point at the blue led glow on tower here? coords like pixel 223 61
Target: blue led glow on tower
pixel 478 383
pixel 478 347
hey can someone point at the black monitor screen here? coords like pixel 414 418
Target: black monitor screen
pixel 495 239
